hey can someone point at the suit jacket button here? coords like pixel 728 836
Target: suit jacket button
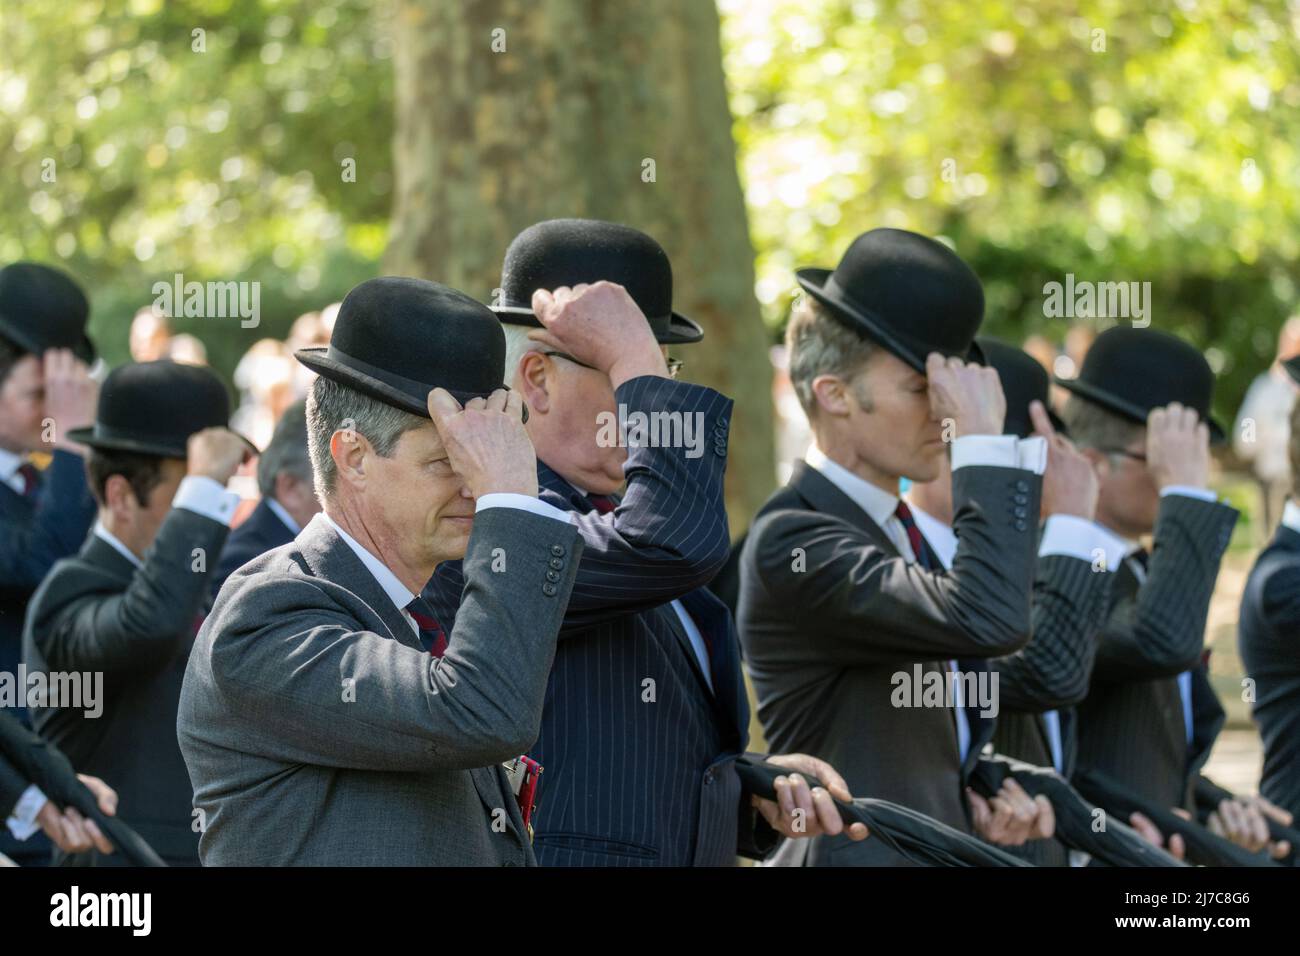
pixel 557 550
pixel 552 576
pixel 1021 499
pixel 1022 486
pixel 548 589
pixel 1021 526
pixel 1021 512
pixel 709 776
pixel 556 563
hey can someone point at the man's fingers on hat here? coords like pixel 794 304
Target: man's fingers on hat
pixel 1042 424
pixel 514 403
pixel 542 302
pixel 477 402
pixel 442 404
pixel 496 401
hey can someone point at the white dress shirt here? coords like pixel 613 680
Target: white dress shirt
pixel 880 506
pixel 9 465
pixel 1291 516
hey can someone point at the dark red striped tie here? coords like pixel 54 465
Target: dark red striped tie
pixel 602 503
pixel 31 479
pixel 432 638
pixel 919 548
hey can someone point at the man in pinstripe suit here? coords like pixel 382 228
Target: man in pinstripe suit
pixel 646 709
pixel 1040 684
pixel 1140 411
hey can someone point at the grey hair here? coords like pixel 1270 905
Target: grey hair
pixel 332 407
pixel 287 451
pixel 518 344
pixel 1091 426
pixel 819 344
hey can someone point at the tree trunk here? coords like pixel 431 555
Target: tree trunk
pixel 587 100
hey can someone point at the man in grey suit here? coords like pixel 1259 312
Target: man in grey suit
pixel 326 718
pixel 848 621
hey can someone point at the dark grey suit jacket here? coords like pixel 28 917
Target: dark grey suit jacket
pixel 1268 636
pixel 318 732
pixel 1131 726
pixel 830 612
pixel 96 612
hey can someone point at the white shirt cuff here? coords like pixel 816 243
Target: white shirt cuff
pixel 507 499
pixel 1077 537
pixel 205 497
pixel 1000 451
pixel 1191 491
pixel 22 821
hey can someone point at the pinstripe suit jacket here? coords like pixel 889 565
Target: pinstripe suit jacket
pixel 830 614
pixel 1131 726
pixel 637 750
pixel 1268 635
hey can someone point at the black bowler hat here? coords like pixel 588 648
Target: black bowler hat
pixel 569 252
pixel 397 339
pixel 1023 381
pixel 908 293
pixel 152 408
pixel 42 308
pixel 1130 371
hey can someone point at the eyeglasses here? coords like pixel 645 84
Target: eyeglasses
pixel 675 365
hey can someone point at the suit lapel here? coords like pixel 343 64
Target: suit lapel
pixel 328 556
pixel 823 497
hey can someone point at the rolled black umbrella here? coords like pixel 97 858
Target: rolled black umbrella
pixel 1203 847
pixel 1116 845
pixel 914 836
pixel 1209 795
pixel 45 765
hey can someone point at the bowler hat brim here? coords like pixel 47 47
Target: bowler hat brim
pixel 409 396
pixel 1123 407
pixel 84 349
pixel 137 445
pixel 680 330
pixel 813 281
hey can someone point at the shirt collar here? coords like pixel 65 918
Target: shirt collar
pixel 939 536
pixel 387 580
pixel 112 541
pixel 282 513
pixel 1291 516
pixel 9 464
pixel 876 502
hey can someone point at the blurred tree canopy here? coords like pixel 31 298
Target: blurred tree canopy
pixel 1111 139
pixel 1141 140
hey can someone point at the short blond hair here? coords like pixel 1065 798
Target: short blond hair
pixel 816 344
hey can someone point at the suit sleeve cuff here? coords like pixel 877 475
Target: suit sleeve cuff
pixel 1077 537
pixel 1000 451
pixel 505 499
pixel 1190 491
pixel 22 821
pixel 205 497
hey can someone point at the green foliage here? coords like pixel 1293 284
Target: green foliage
pixel 1169 156
pixel 1162 149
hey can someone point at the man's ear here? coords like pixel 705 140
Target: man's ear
pixel 119 498
pixel 532 380
pixel 350 450
pixel 832 395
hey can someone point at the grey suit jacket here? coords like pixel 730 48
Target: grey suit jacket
pixel 317 732
pixel 830 612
